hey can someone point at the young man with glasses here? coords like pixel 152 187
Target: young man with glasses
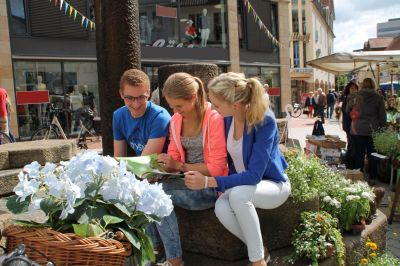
pixel 141 124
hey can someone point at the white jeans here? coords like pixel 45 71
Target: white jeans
pixel 236 210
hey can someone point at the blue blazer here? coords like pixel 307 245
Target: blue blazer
pixel 261 156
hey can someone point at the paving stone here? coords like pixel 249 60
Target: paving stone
pixel 202 233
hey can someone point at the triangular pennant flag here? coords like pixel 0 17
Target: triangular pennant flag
pixel 70 10
pixel 94 26
pixel 75 13
pixel 66 8
pixel 83 20
pixel 55 2
pixel 61 4
pixel 260 24
pixel 50 1
pixel 91 25
pixel 248 8
pixel 244 2
pixel 87 23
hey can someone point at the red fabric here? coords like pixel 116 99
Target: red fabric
pixel 3 100
pixel 191 30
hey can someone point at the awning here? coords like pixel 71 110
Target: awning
pixel 343 63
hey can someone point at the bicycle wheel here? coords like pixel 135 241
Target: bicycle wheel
pixel 296 112
pixel 82 141
pixel 4 138
pixel 41 133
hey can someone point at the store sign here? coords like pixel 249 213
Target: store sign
pixel 32 97
pixel 274 91
pixel 169 12
pixel 171 43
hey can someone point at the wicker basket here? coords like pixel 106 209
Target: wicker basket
pixel 66 249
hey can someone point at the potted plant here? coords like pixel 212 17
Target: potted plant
pixel 91 196
pixel 355 206
pixel 317 237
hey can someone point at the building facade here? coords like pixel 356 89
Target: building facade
pixel 391 28
pixel 311 38
pixel 48 57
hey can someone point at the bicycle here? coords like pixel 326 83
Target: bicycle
pixel 294 110
pixel 54 130
pixel 4 138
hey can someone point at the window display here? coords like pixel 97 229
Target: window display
pixel 71 87
pixel 192 25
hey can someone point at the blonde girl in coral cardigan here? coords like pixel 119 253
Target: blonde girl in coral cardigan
pixel 197 143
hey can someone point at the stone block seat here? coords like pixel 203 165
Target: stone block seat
pixel 206 242
pixel 202 233
pixel 14 156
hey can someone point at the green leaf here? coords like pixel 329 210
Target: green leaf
pixel 84 219
pixel 31 224
pixel 94 230
pixel 147 245
pixel 16 206
pixel 81 229
pixel 90 188
pixel 109 219
pixel 86 230
pixel 123 209
pixel 131 237
pixel 48 205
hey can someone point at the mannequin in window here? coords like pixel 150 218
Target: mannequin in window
pixel 190 31
pixel 40 85
pixel 205 28
pixel 76 99
pixel 88 98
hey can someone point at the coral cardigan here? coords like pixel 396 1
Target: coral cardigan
pixel 214 143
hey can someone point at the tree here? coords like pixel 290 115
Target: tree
pixel 118 49
pixel 342 80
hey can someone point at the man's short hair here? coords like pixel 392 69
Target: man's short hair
pixel 134 77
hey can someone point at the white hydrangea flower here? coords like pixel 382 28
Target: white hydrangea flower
pixel 25 187
pixel 350 189
pixel 35 204
pixel 32 169
pixel 368 195
pixel 155 201
pixel 327 199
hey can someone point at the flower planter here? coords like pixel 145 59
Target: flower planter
pixel 358 228
pixel 68 248
pixel 330 251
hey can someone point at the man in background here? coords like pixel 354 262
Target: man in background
pixel 3 111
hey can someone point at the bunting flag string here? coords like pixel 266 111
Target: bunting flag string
pixel 261 24
pixel 85 21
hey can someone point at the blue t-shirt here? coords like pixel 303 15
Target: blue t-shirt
pixel 137 131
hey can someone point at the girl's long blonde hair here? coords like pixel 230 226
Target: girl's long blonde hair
pixel 182 86
pixel 235 88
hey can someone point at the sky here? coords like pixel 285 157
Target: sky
pixel 356 21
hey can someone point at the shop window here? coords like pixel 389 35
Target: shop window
pixel 183 23
pixel 71 86
pixel 18 16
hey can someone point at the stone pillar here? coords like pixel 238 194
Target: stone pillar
pixel 233 32
pixel 6 72
pixel 118 49
pixel 283 11
pixel 203 71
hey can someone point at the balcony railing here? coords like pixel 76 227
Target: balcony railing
pixel 307 70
